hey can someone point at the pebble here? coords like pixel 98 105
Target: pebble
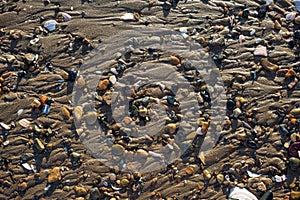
pixel 117 149
pixel 22 186
pixel 174 60
pixel 220 178
pixel 39 145
pixel 113 79
pixel 5 126
pixel 190 170
pixel 260 51
pixel 130 17
pixel 295 195
pixel 54 175
pixel 124 182
pixel 29 57
pixel 261 187
pixel 265 63
pixel 24 123
pixel 66 113
pixel 103 84
pixel 290 73
pixel 171 128
pixel 80 83
pixel 241 193
pixel 206 174
pixel 142 152
pixel 50 25
pixel 294 163
pixel 91 117
pixel 294 149
pixel 10 58
pixel 78 112
pixel 80 191
pixel 66 16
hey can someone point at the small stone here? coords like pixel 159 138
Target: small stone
pixel 290 73
pixel 130 17
pixel 294 163
pixel 50 25
pixel 143 111
pixel 277 25
pixel 117 149
pixel 171 128
pixel 190 170
pixel 80 191
pixel 206 174
pixel 204 127
pixel 297 20
pixel 24 123
pixel 91 118
pixel 54 175
pixel 35 103
pixel 291 16
pixel 142 152
pixel 80 83
pixel 66 113
pixel 261 187
pixel 174 60
pixel 220 178
pixel 65 16
pixel 29 58
pixel 237 112
pixel 10 58
pixel 113 79
pixel 78 112
pixel 265 63
pixel 39 145
pixel 22 186
pixel 295 195
pixel 295 111
pixel 124 182
pixel 95 194
pixel 260 51
pixel 294 149
pixel 103 84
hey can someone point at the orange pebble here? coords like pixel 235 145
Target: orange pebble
pixel 290 73
pixel 43 100
pixel 293 121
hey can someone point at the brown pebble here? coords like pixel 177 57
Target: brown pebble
pixel 297 20
pixel 43 100
pixel 266 64
pixel 2 79
pixel 124 182
pixel 290 73
pixel 171 128
pixel 80 190
pixel 174 60
pixel 190 170
pixel 54 175
pixel 103 84
pixel 66 113
pixel 22 186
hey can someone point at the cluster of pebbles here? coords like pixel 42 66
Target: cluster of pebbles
pixel 255 46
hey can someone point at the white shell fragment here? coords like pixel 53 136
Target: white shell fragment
pixel 280 179
pixel 198 131
pixel 155 155
pixel 50 25
pixel 241 194
pixel 5 126
pixel 260 51
pixel 24 122
pixel 128 17
pixel 28 167
pixel 253 175
pixel 20 111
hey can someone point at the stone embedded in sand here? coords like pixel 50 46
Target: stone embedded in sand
pixel 291 16
pixel 66 17
pixel 113 79
pixel 78 112
pixel 297 20
pixel 190 170
pixel 204 127
pixel 295 195
pixel 103 84
pixel 260 51
pixel 142 152
pixel 80 83
pixel 39 145
pixel 266 64
pixel 294 163
pixel 174 60
pixel 130 17
pixel 29 57
pixel 66 113
pixel 91 118
pixel 54 175
pixel 171 128
pixel 117 149
pixel 80 191
pixel 295 111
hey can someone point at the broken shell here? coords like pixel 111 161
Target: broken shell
pixel 91 117
pixel 50 25
pixel 44 100
pixel 174 60
pixel 117 149
pixel 291 16
pixel 24 122
pixel 80 190
pixel 172 128
pixel 29 57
